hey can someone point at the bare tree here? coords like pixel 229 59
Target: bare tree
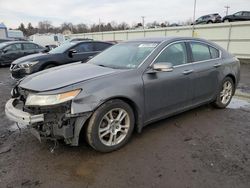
pixel 45 26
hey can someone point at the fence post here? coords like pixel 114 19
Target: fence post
pixel 229 37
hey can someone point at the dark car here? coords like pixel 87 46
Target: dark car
pixel 50 47
pixel 5 40
pixel 10 51
pixel 238 16
pixel 207 19
pixel 123 89
pixel 66 53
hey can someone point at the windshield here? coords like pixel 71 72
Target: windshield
pixel 62 48
pixel 124 55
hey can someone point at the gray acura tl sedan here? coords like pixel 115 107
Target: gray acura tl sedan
pixel 122 89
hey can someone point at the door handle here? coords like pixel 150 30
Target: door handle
pixel 187 72
pixel 217 65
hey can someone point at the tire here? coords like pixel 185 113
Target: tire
pixel 209 22
pixel 103 140
pixel 226 20
pixel 48 66
pixel 225 95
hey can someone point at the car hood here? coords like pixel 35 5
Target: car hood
pixel 33 57
pixel 63 76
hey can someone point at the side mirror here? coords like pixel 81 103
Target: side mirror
pixel 71 52
pixel 5 51
pixel 163 67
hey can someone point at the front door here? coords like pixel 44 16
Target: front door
pixel 169 92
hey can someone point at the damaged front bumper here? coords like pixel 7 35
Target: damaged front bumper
pixel 52 124
pixel 20 116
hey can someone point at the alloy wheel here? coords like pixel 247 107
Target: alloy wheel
pixel 226 93
pixel 114 127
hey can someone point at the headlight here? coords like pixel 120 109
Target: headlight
pixel 27 64
pixel 46 100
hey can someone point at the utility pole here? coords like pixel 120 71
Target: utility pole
pixel 227 7
pixel 143 21
pixel 194 18
pixel 99 26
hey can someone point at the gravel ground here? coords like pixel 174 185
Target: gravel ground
pixel 203 147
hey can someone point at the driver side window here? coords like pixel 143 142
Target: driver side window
pixel 175 54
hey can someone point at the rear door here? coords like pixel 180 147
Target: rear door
pixel 100 46
pixel 29 48
pixel 84 51
pixel 246 16
pixel 169 92
pixel 206 64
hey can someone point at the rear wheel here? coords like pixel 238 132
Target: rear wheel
pixel 110 126
pixel 226 21
pixel 226 93
pixel 209 22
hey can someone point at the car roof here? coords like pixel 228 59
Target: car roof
pixel 165 39
pixel 153 39
pixel 14 42
pixel 89 41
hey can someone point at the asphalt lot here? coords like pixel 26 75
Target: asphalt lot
pixel 204 147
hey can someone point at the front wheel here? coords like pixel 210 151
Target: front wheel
pixel 226 21
pixel 226 93
pixel 48 66
pixel 110 126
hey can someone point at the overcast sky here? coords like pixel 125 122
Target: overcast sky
pixel 13 12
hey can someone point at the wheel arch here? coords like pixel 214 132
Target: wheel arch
pixel 81 131
pixel 48 63
pixel 135 108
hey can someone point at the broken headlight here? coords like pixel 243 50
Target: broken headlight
pixel 47 100
pixel 28 64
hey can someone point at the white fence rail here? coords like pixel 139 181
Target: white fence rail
pixel 235 37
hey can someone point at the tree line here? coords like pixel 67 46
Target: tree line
pixel 47 27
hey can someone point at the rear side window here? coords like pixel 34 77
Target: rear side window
pixel 214 52
pixel 200 52
pixel 99 46
pixel 55 38
pixel 84 47
pixel 175 54
pixel 246 13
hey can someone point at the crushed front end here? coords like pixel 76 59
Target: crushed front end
pixel 52 122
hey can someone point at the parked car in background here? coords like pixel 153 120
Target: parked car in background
pixel 207 19
pixel 66 53
pixel 5 40
pixel 238 16
pixel 124 88
pixel 78 39
pixel 12 50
